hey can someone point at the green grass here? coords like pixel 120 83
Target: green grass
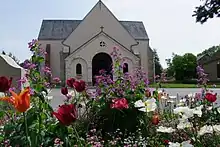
pixel 172 85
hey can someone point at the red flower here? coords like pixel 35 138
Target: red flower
pixel 66 114
pixel 119 103
pixel 166 142
pixel 64 90
pixel 155 119
pixel 70 82
pixel 80 86
pixel 5 84
pixel 211 97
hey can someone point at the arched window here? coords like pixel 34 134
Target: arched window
pixel 78 69
pixel 125 67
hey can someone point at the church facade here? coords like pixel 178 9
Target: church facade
pixel 80 48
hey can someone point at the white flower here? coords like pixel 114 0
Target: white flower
pixel 218 109
pixel 163 97
pixel 217 128
pixel 183 144
pixel 184 124
pixel 198 110
pixel 191 95
pixel 172 97
pixel 147 106
pixel 186 144
pixel 183 100
pixel 46 95
pixel 165 129
pixel 185 112
pixel 2 94
pixel 205 129
pixel 171 144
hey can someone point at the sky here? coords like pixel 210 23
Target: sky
pixel 169 23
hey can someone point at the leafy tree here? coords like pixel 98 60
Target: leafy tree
pixel 209 9
pixel 170 70
pixel 190 63
pixel 210 51
pixel 182 67
pixel 178 67
pixel 158 67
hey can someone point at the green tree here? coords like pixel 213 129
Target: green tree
pixel 182 67
pixel 178 67
pixel 158 67
pixel 210 51
pixel 208 9
pixel 190 63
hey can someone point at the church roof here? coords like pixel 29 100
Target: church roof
pixel 60 29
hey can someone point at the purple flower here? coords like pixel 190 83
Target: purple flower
pixel 32 43
pixel 57 80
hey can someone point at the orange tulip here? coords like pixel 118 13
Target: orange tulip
pixel 21 101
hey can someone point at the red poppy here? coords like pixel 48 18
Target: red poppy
pixel 155 119
pixel 119 103
pixel 66 114
pixel 80 86
pixel 211 97
pixel 64 90
pixel 70 82
pixel 5 84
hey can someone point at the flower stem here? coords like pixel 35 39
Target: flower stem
pixel 77 135
pixel 26 130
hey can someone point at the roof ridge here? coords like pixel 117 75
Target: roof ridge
pixel 81 20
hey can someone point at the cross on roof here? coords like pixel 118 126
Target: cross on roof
pixel 101 28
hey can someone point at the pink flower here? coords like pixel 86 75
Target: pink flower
pixel 119 103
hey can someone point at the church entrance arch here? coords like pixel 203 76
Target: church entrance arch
pixel 101 61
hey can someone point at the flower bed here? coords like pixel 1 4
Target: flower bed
pixel 122 112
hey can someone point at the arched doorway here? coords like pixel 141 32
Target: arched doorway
pixel 101 61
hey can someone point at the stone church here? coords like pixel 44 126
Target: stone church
pixel 80 48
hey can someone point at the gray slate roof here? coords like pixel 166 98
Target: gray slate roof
pixel 61 29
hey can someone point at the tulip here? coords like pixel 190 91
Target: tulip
pixel 66 114
pixel 119 103
pixel 70 82
pixel 155 119
pixel 211 97
pixel 64 90
pixel 5 84
pixel 21 102
pixel 80 86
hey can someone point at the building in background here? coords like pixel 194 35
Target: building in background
pixel 80 48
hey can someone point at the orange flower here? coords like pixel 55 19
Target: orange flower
pixel 21 101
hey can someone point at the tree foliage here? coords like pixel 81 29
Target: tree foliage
pixel 158 67
pixel 209 9
pixel 182 67
pixel 209 51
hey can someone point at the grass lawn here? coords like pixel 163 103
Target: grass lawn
pixel 169 85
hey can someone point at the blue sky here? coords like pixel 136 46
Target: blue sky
pixel 169 24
